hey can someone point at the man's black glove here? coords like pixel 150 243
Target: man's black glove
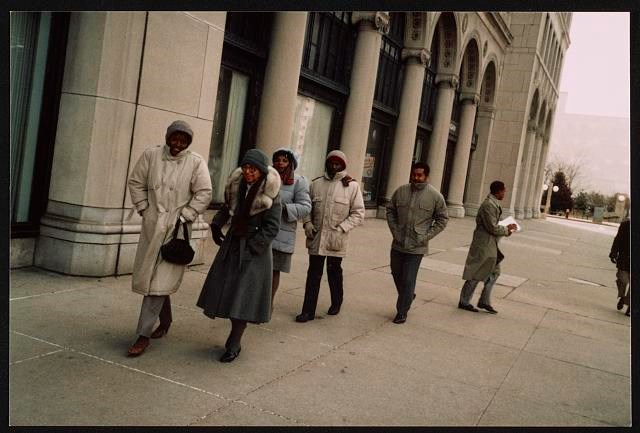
pixel 612 257
pixel 216 234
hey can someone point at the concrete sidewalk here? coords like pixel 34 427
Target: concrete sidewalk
pixel 557 354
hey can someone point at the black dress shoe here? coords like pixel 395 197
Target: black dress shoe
pixel 333 310
pixel 400 318
pixel 160 331
pixel 487 307
pixel 230 355
pixel 628 312
pixel 304 317
pixel 620 304
pixel 467 307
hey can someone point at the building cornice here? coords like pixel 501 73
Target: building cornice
pixel 496 19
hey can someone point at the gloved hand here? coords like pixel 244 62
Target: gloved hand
pixel 216 234
pixel 309 230
pixel 612 257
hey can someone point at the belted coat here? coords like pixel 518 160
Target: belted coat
pixel 484 255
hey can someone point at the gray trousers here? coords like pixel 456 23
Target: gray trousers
pixel 470 286
pixel 404 268
pixel 152 308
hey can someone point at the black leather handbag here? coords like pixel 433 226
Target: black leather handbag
pixel 178 251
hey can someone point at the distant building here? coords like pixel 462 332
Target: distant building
pixel 602 142
pixel 471 93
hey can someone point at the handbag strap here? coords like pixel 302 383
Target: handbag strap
pixel 184 227
pixel 186 231
pixel 175 229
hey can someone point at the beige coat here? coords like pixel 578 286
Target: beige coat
pixel 484 255
pixel 162 188
pixel 335 210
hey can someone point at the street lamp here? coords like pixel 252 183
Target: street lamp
pixel 554 188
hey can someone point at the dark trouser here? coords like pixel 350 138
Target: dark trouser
pixel 404 268
pixel 624 288
pixel 470 286
pixel 314 275
pixel 152 308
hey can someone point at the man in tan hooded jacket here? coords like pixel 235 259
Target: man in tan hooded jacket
pixel 337 207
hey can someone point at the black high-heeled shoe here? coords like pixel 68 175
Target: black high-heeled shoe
pixel 230 355
pixel 160 331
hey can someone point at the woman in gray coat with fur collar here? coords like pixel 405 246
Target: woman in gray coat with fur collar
pixel 238 286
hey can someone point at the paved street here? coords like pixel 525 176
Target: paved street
pixel 557 354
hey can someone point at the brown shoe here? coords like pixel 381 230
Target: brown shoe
pixel 139 346
pixel 160 331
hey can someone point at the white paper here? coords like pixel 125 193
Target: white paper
pixel 510 220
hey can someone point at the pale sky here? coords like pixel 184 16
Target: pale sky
pixel 596 67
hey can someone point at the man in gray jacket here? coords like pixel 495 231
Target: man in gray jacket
pixel 484 257
pixel 417 213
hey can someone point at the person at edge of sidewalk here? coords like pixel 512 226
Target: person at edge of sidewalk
pixel 167 183
pixel 416 213
pixel 296 204
pixel 337 207
pixel 620 256
pixel 238 285
pixel 484 257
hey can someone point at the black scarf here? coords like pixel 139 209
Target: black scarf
pixel 241 217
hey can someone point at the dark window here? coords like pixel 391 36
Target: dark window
pixel 38 47
pixel 429 88
pixel 389 78
pixel 249 31
pixel 455 112
pixel 328 49
pixel 244 56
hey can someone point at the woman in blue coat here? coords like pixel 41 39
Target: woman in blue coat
pixel 296 204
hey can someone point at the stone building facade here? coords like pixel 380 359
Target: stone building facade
pixel 473 94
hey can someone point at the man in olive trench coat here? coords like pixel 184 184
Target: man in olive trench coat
pixel 484 257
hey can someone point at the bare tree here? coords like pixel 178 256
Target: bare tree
pixel 573 169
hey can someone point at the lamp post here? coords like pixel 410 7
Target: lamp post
pixel 554 188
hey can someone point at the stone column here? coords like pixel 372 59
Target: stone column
pixel 461 156
pixel 120 91
pixel 442 120
pixel 357 117
pixel 405 133
pixel 527 176
pixel 547 202
pixel 476 188
pixel 282 73
pixel 533 199
pixel 537 192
